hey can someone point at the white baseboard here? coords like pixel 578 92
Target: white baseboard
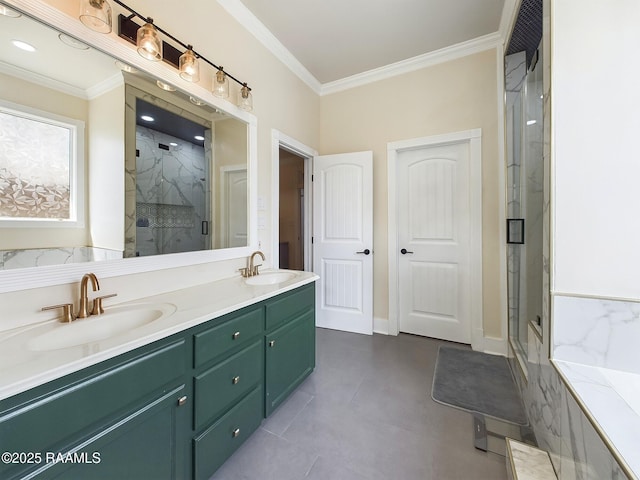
pixel 381 325
pixel 495 346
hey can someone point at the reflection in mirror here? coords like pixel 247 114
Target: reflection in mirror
pixel 188 164
pixel 67 78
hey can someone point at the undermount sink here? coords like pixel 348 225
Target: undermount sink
pixel 114 321
pixel 269 278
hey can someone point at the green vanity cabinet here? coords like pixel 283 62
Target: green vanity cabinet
pixel 174 409
pixel 95 419
pixel 290 353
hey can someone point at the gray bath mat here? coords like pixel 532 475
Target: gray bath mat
pixel 477 382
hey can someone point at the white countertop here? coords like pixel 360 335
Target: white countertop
pixel 612 399
pixel 22 367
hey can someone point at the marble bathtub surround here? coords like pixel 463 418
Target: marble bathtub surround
pixel 595 352
pixel 613 411
pixel 597 332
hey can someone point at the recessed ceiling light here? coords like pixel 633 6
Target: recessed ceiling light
pixel 147 118
pixel 199 137
pixel 23 46
pixel 9 12
pixel 165 86
pixel 72 42
pixel 173 144
pixel 531 122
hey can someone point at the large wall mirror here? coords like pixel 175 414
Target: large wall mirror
pixel 146 176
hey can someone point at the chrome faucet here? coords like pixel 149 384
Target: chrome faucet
pixel 83 309
pixel 252 269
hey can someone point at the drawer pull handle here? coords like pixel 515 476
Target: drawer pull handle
pixel 235 433
pixel 235 335
pixel 272 343
pixel 182 401
pixel 235 380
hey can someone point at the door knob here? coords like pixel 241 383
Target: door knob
pixel 366 251
pixel 404 251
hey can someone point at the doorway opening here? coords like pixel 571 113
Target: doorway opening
pixel 291 245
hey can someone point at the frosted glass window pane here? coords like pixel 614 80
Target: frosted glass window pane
pixel 35 158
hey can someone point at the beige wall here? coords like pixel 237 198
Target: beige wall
pixel 106 167
pixel 35 96
pixel 449 97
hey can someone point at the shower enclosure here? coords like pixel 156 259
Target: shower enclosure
pixel 525 190
pixel 172 186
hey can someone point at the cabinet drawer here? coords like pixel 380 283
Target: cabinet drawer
pixel 290 305
pixel 226 336
pixel 218 442
pixel 219 387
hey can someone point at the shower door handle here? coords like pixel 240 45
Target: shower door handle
pixel 205 227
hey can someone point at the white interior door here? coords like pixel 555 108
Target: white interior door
pixel 434 293
pixel 233 208
pixel 343 241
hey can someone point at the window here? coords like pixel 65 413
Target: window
pixel 41 174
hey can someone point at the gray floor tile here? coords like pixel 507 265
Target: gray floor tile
pixel 331 469
pixel 366 412
pixel 266 456
pixel 280 420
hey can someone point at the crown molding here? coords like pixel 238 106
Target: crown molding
pixel 105 86
pixel 248 20
pixel 42 80
pixel 446 54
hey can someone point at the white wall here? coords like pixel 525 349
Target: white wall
pixel 596 164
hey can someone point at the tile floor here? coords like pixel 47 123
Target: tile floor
pixel 365 413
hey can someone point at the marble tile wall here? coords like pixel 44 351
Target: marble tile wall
pixel 175 181
pixel 54 256
pixel 597 332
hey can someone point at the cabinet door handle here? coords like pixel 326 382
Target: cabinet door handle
pixel 235 335
pixel 235 379
pixel 272 343
pixel 182 401
pixel 235 433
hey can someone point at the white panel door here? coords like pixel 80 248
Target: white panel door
pixel 343 241
pixel 233 207
pixel 434 293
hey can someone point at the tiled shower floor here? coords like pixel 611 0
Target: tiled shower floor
pixel 365 413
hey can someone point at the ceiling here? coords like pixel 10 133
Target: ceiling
pixel 336 39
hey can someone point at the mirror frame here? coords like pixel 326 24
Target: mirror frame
pixel 119 49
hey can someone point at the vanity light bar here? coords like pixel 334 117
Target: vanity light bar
pixel 128 30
